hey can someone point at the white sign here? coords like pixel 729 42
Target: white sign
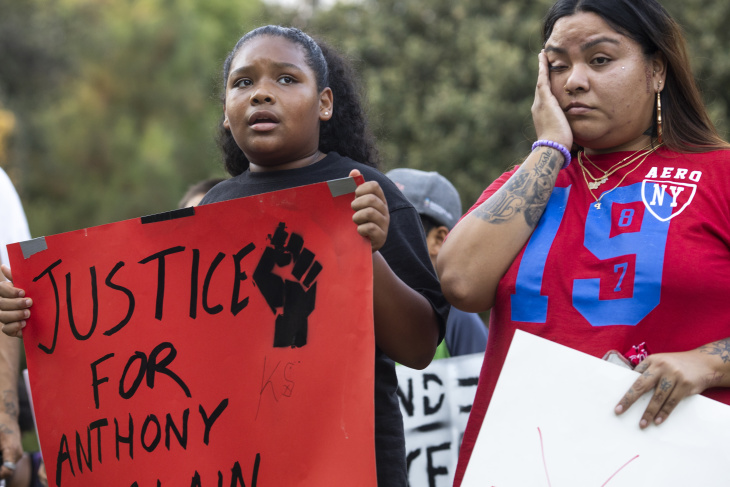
pixel 435 403
pixel 551 423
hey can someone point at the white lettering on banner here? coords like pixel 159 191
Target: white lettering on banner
pixel 435 403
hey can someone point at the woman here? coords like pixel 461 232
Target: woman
pixel 628 244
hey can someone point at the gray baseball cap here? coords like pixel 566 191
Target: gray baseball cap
pixel 430 193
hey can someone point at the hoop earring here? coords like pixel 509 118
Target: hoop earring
pixel 659 116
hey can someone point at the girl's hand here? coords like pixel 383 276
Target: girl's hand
pixel 549 119
pixel 371 212
pixel 13 306
pixel 675 376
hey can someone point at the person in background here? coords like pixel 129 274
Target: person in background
pixel 14 229
pixel 195 192
pixel 613 233
pixel 14 226
pixel 438 204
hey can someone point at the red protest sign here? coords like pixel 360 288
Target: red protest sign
pixel 226 345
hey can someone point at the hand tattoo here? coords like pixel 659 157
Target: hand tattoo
pixel 642 367
pixel 526 192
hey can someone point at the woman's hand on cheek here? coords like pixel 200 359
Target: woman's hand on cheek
pixel 13 306
pixel 371 212
pixel 549 119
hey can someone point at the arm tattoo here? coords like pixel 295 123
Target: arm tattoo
pixel 526 192
pixel 6 430
pixel 720 348
pixel 10 403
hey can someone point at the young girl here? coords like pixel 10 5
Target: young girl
pixel 292 117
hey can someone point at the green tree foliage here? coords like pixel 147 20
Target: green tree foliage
pixel 32 65
pixel 126 118
pixel 708 38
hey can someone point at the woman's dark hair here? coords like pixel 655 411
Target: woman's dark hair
pixel 686 125
pixel 346 133
pixel 429 224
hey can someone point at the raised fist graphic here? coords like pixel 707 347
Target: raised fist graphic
pixel 291 299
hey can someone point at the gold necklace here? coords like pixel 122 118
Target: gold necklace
pixel 597 205
pixel 597 181
pixel 615 167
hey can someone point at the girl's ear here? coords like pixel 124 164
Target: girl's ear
pixel 326 104
pixel 226 123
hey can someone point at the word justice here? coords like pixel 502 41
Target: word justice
pixel 173 256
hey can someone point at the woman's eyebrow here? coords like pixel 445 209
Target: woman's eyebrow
pixel 600 40
pixel 585 46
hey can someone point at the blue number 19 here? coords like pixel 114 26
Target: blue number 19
pixel 647 245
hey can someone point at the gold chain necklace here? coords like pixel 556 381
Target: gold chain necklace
pixel 597 205
pixel 597 181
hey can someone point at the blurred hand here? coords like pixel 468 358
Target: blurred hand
pixel 13 305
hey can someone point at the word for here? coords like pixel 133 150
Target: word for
pixel 146 367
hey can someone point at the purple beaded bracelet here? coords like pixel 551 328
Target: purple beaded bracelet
pixel 555 145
